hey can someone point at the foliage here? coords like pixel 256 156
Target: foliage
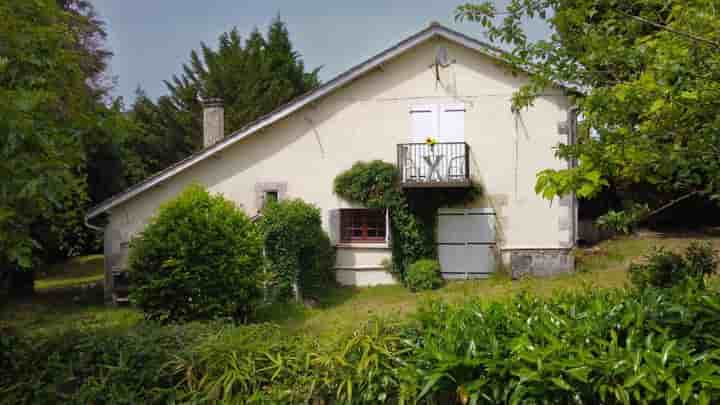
pixel 41 88
pixel 252 77
pixel 55 120
pixel 94 366
pixel 376 185
pixel 424 275
pixel 622 222
pixel 267 366
pixel 199 257
pixel 589 345
pixel 664 269
pixel 296 247
pixel 594 347
pixel 645 77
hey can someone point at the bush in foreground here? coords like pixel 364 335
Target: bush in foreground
pixel 424 275
pixel 608 347
pixel 198 258
pixel 591 347
pixel 96 366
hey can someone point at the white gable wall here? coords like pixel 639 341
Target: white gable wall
pixel 365 121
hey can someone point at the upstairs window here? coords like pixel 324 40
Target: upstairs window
pixel 362 225
pixel 442 122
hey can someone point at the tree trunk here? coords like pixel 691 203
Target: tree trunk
pixel 297 294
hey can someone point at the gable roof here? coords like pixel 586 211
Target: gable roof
pixel 433 31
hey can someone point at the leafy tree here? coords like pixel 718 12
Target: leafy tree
pixel 59 137
pixel 647 75
pixel 252 77
pixel 41 91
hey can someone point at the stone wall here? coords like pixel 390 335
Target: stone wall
pixel 541 262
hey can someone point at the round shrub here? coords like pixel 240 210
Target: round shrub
pixel 424 275
pixel 665 269
pixel 198 258
pixel 298 252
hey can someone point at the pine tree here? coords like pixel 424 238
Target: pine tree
pixel 252 77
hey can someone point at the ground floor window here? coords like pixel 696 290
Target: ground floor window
pixel 271 196
pixel 362 225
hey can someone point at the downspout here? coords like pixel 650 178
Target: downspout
pixel 93 227
pixel 572 139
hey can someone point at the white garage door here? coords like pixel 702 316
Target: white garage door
pixel 466 242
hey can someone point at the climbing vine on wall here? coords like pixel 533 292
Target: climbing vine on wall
pixel 376 185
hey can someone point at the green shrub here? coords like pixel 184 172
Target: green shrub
pixel 664 269
pixel 298 251
pixel 97 366
pixel 701 260
pixel 623 222
pixel 262 364
pixel 595 347
pixel 424 275
pixel 198 258
pixel 589 347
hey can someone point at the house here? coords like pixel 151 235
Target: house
pixel 437 83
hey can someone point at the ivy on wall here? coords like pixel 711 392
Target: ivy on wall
pixel 413 213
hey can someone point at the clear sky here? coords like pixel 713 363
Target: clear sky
pixel 151 39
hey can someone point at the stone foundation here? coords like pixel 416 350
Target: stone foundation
pixel 540 262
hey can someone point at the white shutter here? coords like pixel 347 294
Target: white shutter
pixel 452 123
pixel 424 122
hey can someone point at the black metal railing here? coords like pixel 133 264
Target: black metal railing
pixel 434 165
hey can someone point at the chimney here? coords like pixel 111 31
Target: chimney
pixel 213 121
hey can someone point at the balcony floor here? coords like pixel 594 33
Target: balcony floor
pixel 460 183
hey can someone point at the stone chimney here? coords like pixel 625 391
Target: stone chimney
pixel 213 121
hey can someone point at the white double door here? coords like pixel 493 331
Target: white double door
pixel 444 124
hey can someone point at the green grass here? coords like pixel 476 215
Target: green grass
pixel 56 307
pixel 68 296
pixel 77 271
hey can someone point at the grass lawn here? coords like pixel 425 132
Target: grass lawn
pixel 75 272
pixel 54 308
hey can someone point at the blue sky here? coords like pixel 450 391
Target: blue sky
pixel 151 39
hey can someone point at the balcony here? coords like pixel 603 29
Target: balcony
pixel 437 165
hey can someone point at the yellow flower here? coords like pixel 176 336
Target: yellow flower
pixel 430 140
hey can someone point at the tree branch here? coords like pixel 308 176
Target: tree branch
pixel 673 30
pixel 668 205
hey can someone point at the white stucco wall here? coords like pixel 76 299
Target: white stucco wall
pixel 365 121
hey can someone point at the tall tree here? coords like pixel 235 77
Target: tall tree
pixel 648 79
pixel 42 90
pixel 58 134
pixel 252 77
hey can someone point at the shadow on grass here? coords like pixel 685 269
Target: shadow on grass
pixel 55 311
pixel 293 313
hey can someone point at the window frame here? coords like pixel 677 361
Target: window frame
pixel 348 214
pixel 267 193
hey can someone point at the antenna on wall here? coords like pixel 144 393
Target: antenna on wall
pixel 442 60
